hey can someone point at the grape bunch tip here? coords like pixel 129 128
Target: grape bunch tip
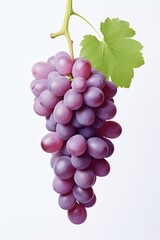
pixel 77 103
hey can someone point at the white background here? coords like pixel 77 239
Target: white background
pixel 128 206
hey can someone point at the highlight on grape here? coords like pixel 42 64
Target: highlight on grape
pixel 77 103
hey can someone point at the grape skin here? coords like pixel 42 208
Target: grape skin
pixel 78 214
pixel 67 201
pixel 76 145
pixel 77 102
pixel 63 168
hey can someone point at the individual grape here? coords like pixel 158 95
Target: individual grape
pixel 87 132
pixel 76 145
pixel 84 178
pixel 78 214
pixel 62 186
pixel 48 100
pixel 65 131
pixel 59 86
pixel 75 122
pixel 64 63
pixel 81 162
pixel 97 148
pixel 38 86
pixel 62 114
pixel 96 80
pixel 73 100
pixel 91 203
pixel 85 116
pixel 52 75
pixel 64 150
pixel 67 201
pixel 93 97
pixel 63 168
pixel 81 68
pixel 110 129
pixel 51 142
pixel 106 111
pixel 110 147
pixel 110 89
pixel 55 157
pixel 100 167
pixel 50 126
pixel 52 62
pixel 40 110
pixel 83 195
pixel 51 123
pixel 98 123
pixel 79 84
pixel 59 54
pixel 41 70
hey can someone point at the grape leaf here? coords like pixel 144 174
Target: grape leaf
pixel 117 54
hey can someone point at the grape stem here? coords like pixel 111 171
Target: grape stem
pixel 64 31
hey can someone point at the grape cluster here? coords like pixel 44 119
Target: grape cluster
pixel 77 102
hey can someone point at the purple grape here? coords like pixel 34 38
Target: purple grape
pixel 98 123
pixel 59 54
pixel 79 84
pixel 47 100
pixel 100 167
pixel 110 89
pixel 87 132
pixel 62 186
pixel 52 62
pixel 51 142
pixel 75 122
pixel 93 97
pixel 63 168
pixel 91 203
pixel 106 111
pixel 73 100
pixel 40 110
pixel 110 129
pixel 81 162
pixel 78 214
pixel 64 150
pixel 62 114
pixel 67 201
pixel 65 131
pixel 81 68
pixel 96 80
pixel 110 147
pixel 59 86
pixel 83 195
pixel 38 86
pixel 41 70
pixel 97 148
pixel 64 63
pixel 85 116
pixel 84 178
pixel 52 75
pixel 76 145
pixel 51 124
pixel 55 157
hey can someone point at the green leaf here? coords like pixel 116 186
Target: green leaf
pixel 117 54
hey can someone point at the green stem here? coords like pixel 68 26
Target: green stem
pixel 78 15
pixel 64 29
